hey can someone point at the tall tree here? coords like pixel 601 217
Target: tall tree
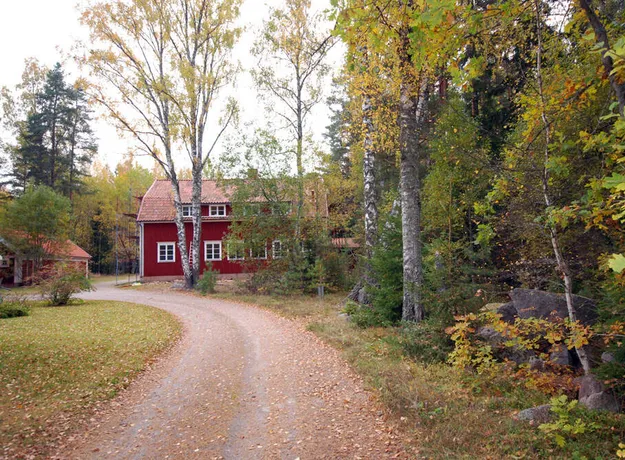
pixel 161 66
pixel 55 143
pixel 293 49
pixel 36 224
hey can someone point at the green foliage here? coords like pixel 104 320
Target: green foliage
pixel 336 266
pixel 566 425
pixel 426 341
pixel 60 282
pixel 36 223
pixel 13 307
pixel 365 316
pixel 55 144
pixel 206 284
pixel 387 265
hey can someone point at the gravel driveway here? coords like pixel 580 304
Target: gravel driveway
pixel 242 384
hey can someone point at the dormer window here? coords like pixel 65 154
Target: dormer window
pixel 186 210
pixel 217 210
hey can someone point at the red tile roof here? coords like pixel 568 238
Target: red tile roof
pixel 67 249
pixel 158 202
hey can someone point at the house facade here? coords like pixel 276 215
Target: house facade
pixel 159 254
pixel 158 237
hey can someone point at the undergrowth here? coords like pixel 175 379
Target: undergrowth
pixel 447 412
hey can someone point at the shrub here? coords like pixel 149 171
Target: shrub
pixel 60 282
pixel 426 341
pixel 12 307
pixel 365 316
pixel 206 284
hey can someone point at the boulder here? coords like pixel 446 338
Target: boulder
pixel 537 364
pixel 607 357
pixel 589 385
pixel 538 414
pixel 559 354
pixel 490 335
pixel 593 395
pixel 532 303
pixel 508 312
pixel 604 400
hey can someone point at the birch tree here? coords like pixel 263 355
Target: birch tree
pixel 160 67
pixel 293 48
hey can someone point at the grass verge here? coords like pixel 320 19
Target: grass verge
pixel 59 362
pixel 447 413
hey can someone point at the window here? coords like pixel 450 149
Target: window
pixel 277 251
pixel 212 250
pixel 258 251
pixel 251 209
pixel 236 250
pixel 4 262
pixel 217 210
pixel 280 209
pixel 166 252
pixel 186 210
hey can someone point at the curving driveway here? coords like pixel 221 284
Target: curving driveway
pixel 242 384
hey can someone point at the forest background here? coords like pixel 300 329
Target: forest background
pixel 473 148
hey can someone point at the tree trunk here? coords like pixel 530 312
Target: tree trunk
pixel 412 108
pixel 181 233
pixel 561 262
pixel 359 292
pixel 300 166
pixel 196 207
pixel 601 36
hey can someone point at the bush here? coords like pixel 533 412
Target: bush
pixel 365 316
pixel 59 282
pixel 206 284
pixel 426 341
pixel 12 307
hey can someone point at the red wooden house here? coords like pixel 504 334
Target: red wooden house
pixel 158 242
pixel 159 257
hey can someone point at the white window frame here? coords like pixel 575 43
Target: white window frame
pixel 260 258
pixel 189 210
pixel 158 253
pixel 213 210
pixel 279 254
pixel 239 243
pixel 217 242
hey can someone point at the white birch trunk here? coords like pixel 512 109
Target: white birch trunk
pixel 196 211
pixel 412 114
pixel 561 262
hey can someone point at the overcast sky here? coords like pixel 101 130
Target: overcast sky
pixel 46 29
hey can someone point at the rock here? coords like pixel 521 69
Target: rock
pixel 532 303
pixel 560 355
pixel 603 400
pixel 607 357
pixel 538 414
pixel 589 385
pixel 490 335
pixel 178 285
pixel 508 312
pixel 345 317
pixel 517 354
pixel 537 364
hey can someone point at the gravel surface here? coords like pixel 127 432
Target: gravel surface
pixel 243 383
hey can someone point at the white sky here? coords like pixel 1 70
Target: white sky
pixel 45 29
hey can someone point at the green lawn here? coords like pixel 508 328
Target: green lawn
pixel 58 362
